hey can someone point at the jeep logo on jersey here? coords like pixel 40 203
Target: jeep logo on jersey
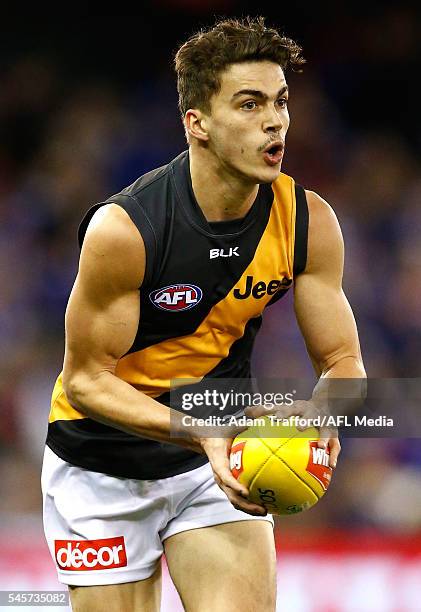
pixel 176 297
pixel 259 289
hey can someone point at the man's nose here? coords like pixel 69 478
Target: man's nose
pixel 272 121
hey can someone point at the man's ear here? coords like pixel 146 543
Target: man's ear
pixel 196 124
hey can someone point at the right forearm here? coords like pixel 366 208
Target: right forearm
pixel 112 401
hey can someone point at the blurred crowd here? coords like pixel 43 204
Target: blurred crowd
pixel 65 145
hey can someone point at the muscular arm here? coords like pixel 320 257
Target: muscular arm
pixel 101 322
pixel 323 312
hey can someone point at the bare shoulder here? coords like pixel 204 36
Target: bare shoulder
pixel 322 218
pixel 113 249
pixel 325 241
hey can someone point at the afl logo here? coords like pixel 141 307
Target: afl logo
pixel 176 297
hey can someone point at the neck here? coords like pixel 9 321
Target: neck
pixel 221 195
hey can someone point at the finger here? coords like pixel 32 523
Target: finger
pixel 307 413
pixel 218 456
pixel 297 408
pixel 306 420
pixel 335 449
pixel 223 476
pixel 243 504
pixel 254 412
pixel 326 434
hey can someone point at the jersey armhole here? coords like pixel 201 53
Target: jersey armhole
pixel 301 230
pixel 141 221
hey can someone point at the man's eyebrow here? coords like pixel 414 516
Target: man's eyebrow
pixel 256 93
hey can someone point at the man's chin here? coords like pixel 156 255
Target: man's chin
pixel 262 175
pixel 269 175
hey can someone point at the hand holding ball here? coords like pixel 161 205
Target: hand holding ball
pixel 283 468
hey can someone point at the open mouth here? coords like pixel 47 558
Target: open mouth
pixel 273 153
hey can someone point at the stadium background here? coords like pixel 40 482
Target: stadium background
pixel 87 104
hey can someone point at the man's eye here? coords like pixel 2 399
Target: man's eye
pixel 249 105
pixel 282 102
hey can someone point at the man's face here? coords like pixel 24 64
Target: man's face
pixel 249 120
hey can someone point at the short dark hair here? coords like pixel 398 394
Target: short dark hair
pixel 201 59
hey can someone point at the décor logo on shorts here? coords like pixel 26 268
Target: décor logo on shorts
pixel 86 555
pixel 176 297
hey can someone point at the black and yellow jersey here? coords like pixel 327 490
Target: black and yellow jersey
pixel 204 291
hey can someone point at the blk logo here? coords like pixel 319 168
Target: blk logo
pixel 231 252
pixel 176 297
pixel 259 289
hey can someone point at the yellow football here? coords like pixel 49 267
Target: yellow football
pixel 283 468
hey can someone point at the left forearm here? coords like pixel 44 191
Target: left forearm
pixel 342 387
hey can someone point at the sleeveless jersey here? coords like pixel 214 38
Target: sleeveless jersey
pixel 204 291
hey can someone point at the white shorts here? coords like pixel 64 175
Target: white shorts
pixel 103 529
